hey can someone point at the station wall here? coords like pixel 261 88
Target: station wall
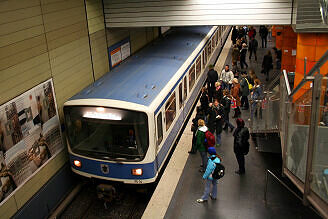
pixel 63 40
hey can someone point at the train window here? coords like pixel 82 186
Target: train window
pixel 203 59
pixel 180 96
pixel 185 90
pixel 170 111
pixel 213 42
pixel 107 133
pixel 198 67
pixel 159 129
pixel 191 77
pixel 216 37
pixel 209 50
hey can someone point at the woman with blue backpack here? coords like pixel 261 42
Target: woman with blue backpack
pixel 214 171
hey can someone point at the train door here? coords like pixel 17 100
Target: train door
pixel 159 134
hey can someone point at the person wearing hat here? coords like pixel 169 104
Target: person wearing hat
pixel 211 164
pixel 243 53
pixel 235 94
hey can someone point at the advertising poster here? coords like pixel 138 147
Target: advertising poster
pixel 29 135
pixel 119 52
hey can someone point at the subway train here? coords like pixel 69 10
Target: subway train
pixel 122 126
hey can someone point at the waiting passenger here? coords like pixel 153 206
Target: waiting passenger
pixel 263 33
pixel 234 35
pixel 244 87
pixel 241 144
pixel 278 55
pixel 204 100
pixel 226 103
pixel 235 55
pixel 194 128
pixel 226 78
pixel 256 97
pixel 243 53
pixel 253 44
pixel 211 164
pixel 235 94
pixel 219 114
pixel 218 93
pixel 251 77
pixel 200 143
pixel 212 77
pixel 267 64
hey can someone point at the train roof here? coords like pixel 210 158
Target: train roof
pixel 142 76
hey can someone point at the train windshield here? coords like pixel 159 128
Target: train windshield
pixel 107 133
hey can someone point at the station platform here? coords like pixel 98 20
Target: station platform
pixel 239 196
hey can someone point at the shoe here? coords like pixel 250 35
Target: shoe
pixel 217 145
pixel 212 197
pixel 231 129
pixel 201 200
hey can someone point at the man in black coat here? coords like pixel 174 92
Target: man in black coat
pixel 263 33
pixel 234 35
pixel 215 120
pixel 267 64
pixel 212 77
pixel 253 44
pixel 226 104
pixel 241 144
pixel 244 87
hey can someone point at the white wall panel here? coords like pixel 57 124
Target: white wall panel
pixel 137 13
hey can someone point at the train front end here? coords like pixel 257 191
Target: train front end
pixel 109 144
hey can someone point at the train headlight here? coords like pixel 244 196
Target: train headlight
pixel 77 163
pixel 137 172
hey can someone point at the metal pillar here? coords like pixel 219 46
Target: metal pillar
pixel 313 130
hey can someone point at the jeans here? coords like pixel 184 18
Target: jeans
pixel 203 155
pixel 208 188
pixel 218 138
pixel 224 85
pixel 241 162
